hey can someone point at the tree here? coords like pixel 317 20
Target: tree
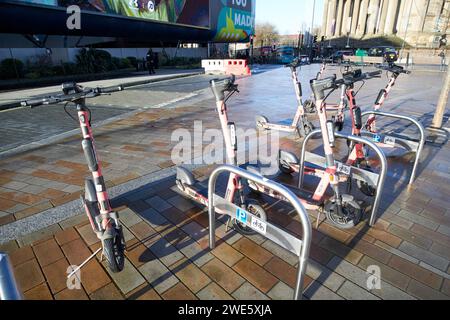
pixel 267 34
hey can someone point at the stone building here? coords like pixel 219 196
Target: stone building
pixel 423 22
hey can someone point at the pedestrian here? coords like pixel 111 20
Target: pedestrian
pixel 151 62
pixel 442 55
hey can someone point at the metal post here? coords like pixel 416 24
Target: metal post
pixel 417 124
pixel 8 286
pixel 291 198
pixel 311 41
pixel 440 109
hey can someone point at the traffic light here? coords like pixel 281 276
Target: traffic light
pixel 322 39
pixel 315 39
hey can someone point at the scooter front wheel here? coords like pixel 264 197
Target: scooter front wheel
pixel 310 106
pixel 261 122
pixel 254 208
pixel 351 214
pixel 285 169
pixel 114 251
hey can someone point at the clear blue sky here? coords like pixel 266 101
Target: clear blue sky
pixel 289 15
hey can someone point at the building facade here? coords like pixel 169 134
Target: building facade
pixel 420 22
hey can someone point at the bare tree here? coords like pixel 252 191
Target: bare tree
pixel 266 34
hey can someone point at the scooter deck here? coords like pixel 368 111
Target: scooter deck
pixel 304 194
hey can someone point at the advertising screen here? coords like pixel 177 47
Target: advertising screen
pixel 235 19
pixel 186 12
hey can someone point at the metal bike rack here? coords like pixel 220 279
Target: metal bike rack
pixel 375 179
pixel 284 239
pixel 401 140
pixel 8 286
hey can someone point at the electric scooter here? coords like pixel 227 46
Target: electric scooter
pixel 341 210
pixel 395 71
pixel 310 106
pixel 103 219
pixel 190 188
pixel 300 123
pixel 357 155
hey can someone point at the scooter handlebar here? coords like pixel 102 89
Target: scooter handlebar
pixel 109 89
pixel 219 87
pixel 393 68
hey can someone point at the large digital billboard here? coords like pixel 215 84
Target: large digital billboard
pixel 235 19
pixel 187 12
pixel 155 20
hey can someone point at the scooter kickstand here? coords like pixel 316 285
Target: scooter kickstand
pixel 85 262
pixel 318 219
pixel 227 225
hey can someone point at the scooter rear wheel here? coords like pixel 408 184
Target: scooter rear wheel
pixel 352 214
pixel 114 251
pixel 363 186
pixel 254 208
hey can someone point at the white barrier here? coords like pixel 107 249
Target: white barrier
pixel 214 66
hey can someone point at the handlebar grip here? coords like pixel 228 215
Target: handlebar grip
pixel 320 86
pixel 33 102
pixel 374 73
pixel 110 89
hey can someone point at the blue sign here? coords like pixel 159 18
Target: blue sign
pixel 376 138
pixel 241 216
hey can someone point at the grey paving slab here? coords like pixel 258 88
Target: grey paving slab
pixel 323 275
pixel 316 291
pixel 165 252
pixel 287 256
pixel 444 230
pixel 397 252
pixel 430 224
pixel 17 208
pixel 34 189
pixel 73 221
pixel 158 276
pixel 158 204
pixel 38 235
pixel 129 218
pixel 361 279
pixel 15 185
pixel 281 291
pixel 152 217
pixel 351 291
pixel 424 255
pixel 127 280
pixel 181 203
pixel 195 253
pixel 248 292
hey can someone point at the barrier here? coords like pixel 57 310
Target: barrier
pixel 392 139
pixel 376 180
pixel 286 240
pixel 214 66
pixel 238 67
pixel 364 59
pixel 8 286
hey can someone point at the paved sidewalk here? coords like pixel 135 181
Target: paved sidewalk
pixel 166 235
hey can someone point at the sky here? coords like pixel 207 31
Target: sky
pixel 289 15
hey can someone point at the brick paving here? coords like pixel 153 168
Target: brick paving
pixel 167 239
